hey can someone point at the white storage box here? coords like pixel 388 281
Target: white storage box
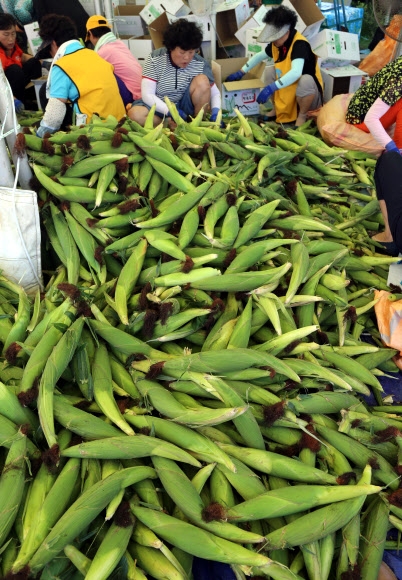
pixel 34 40
pixel 154 8
pixel 229 18
pixel 203 21
pixel 309 15
pixel 255 21
pixel 335 45
pixel 141 48
pixel 128 21
pixel 341 80
pixel 252 45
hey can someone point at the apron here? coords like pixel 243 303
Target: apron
pixel 285 98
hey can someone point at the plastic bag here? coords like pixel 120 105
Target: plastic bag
pixel 332 125
pixel 20 254
pixel 382 54
pixel 389 318
pixel 22 10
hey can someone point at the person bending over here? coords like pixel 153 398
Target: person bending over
pixel 295 84
pixel 377 105
pixel 18 66
pixel 179 73
pixel 388 181
pixel 78 76
pixel 127 69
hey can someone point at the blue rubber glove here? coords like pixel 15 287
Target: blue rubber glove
pixel 19 106
pixel 266 93
pixel 237 76
pixel 391 146
pixel 213 116
pixel 43 129
pixel 182 114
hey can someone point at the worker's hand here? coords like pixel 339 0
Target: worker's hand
pixel 19 106
pixel 43 129
pixel 266 93
pixel 182 114
pixel 391 146
pixel 213 116
pixel 236 76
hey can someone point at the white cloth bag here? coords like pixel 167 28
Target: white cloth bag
pixel 20 239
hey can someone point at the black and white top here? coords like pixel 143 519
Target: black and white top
pixel 173 81
pixel 386 85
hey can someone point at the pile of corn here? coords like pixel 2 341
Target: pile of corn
pixel 189 383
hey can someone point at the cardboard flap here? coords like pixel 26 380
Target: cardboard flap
pixel 157 28
pixel 344 71
pixel 242 85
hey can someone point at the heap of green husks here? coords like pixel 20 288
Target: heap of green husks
pixel 191 380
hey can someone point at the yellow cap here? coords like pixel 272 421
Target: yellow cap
pixel 95 21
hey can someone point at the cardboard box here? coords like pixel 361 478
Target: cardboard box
pixel 252 45
pixel 34 40
pixel 255 21
pixel 310 16
pixel 332 44
pixel 128 21
pixel 141 47
pixel 229 18
pixel 241 94
pixel 341 80
pixel 203 21
pixel 154 8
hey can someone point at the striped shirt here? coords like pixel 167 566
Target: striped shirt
pixel 172 81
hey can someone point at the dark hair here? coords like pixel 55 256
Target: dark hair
pixel 100 31
pixel 183 34
pixel 58 28
pixel 7 21
pixel 281 16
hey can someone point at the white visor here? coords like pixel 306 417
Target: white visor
pixel 270 33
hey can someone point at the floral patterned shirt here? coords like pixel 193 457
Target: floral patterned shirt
pixel 386 85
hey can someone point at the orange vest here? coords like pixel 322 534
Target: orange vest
pixel 96 84
pixel 285 99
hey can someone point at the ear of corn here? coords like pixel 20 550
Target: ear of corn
pixel 55 366
pixel 202 447
pixel 129 447
pixel 110 551
pixel 277 465
pixel 54 505
pixel 83 511
pixel 12 481
pixel 270 503
pixel 103 389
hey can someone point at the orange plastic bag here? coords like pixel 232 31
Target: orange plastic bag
pixel 389 319
pixel 382 54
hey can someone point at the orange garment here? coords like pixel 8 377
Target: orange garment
pixel 393 115
pixel 14 58
pixel 382 54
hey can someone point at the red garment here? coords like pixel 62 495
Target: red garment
pixel 393 115
pixel 15 57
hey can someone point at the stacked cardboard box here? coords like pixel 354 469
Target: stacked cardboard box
pixel 132 22
pixel 339 50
